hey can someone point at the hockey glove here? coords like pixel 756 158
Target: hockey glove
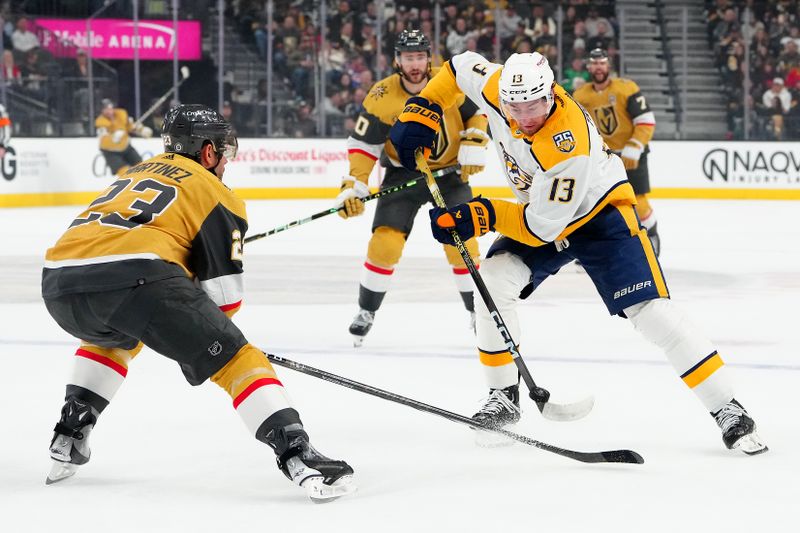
pixel 472 152
pixel 472 219
pixel 416 127
pixel 353 190
pixel 631 153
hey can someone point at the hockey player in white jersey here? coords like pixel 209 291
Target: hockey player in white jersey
pixel 573 202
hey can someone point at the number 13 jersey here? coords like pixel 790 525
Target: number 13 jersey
pixel 563 174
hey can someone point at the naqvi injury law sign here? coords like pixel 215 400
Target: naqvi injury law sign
pixel 117 38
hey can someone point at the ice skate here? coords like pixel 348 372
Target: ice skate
pixel 500 409
pixel 361 325
pixel 70 445
pixel 738 429
pixel 323 479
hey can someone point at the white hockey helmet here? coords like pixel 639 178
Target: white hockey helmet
pixel 525 78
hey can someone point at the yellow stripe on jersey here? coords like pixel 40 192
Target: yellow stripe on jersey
pixel 564 135
pixel 495 358
pixel 510 219
pixel 443 89
pixel 620 195
pixel 702 370
pixel 629 215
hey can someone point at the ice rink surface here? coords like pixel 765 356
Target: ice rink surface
pixel 170 457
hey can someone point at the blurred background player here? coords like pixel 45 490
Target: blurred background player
pixel 627 124
pixel 156 260
pixel 5 131
pixel 114 127
pixel 463 141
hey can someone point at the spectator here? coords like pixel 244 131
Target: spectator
pixel 508 23
pixel 23 39
pixel 486 41
pixel 574 72
pixel 602 39
pixel 594 21
pixel 458 37
pixel 303 125
pixel 11 73
pixel 34 75
pixel 790 56
pixel 543 27
pixel 777 102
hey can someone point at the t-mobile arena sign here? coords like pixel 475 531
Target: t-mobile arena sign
pixel 117 38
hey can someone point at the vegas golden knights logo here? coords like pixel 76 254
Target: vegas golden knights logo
pixel 606 121
pixel 440 144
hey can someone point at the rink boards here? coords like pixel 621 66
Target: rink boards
pixel 47 171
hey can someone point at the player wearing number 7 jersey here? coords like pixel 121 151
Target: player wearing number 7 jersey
pixel 574 202
pixel 156 260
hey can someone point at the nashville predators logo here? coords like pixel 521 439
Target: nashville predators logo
pixel 565 142
pixel 378 91
pixel 607 121
pixel 519 178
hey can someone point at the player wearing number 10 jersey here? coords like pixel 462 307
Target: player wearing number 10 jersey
pixel 156 260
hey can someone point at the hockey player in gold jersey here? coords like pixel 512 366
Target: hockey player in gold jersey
pixel 625 121
pixel 114 128
pixel 156 260
pixel 573 202
pixel 462 140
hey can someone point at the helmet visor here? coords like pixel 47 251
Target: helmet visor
pixel 230 145
pixel 525 111
pixel 220 135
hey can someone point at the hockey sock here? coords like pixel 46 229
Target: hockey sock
pixel 691 354
pixel 649 221
pixel 369 300
pixel 256 391
pixel 469 300
pixel 505 275
pixel 98 373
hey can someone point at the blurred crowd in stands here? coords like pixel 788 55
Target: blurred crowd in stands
pixel 764 35
pixel 355 58
pixel 320 81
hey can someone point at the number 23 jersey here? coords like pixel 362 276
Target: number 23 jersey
pixel 164 217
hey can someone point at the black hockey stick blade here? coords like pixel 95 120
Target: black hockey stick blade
pixel 612 456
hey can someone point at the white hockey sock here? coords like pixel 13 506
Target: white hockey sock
pixel 463 279
pixel 260 400
pixel 504 275
pixel 97 373
pixel 691 354
pixel 375 278
pixel 649 221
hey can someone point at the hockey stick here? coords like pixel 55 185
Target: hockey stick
pixel 612 456
pixel 550 410
pixel 383 192
pixel 184 76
